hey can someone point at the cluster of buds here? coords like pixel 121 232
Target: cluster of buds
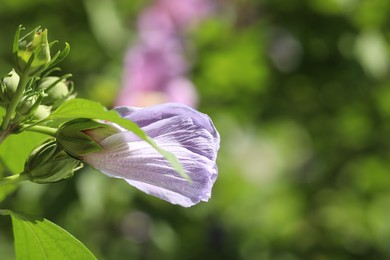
pixel 27 89
pixel 30 94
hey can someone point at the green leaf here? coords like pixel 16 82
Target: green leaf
pixel 15 149
pixel 6 190
pixel 82 108
pixel 42 239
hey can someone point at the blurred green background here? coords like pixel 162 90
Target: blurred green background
pixel 300 92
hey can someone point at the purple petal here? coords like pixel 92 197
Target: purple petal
pixel 181 130
pixel 143 167
pixel 146 116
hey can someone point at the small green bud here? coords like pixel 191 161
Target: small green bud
pixel 41 112
pixel 26 105
pixel 11 81
pixel 49 163
pixel 75 138
pixel 30 106
pixel 56 90
pixel 9 84
pixel 33 49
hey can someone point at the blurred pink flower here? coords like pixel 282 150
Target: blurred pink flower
pixel 155 27
pixel 155 70
pixel 155 76
pixel 186 13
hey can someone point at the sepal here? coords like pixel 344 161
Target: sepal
pixel 56 90
pixel 75 136
pixel 32 52
pixel 49 163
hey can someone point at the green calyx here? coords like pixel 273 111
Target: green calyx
pixel 56 90
pixel 27 105
pixel 30 107
pixel 50 163
pixel 81 136
pixel 33 52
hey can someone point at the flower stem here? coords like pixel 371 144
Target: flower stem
pixel 5 212
pixel 42 129
pixel 14 179
pixel 14 102
pixel 4 134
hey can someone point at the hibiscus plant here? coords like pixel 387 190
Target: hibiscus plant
pixel 168 151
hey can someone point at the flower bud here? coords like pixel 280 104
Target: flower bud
pixel 75 138
pixel 9 84
pixel 26 105
pixel 30 106
pixel 49 163
pixel 41 112
pixel 56 90
pixel 33 49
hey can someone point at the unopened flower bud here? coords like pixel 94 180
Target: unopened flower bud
pixel 26 105
pixel 30 106
pixel 33 48
pixel 56 90
pixel 75 138
pixel 9 84
pixel 49 163
pixel 41 112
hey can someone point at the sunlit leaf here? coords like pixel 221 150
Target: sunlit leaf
pixel 42 239
pixel 6 190
pixel 15 149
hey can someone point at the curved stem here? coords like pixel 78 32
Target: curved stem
pixel 14 179
pixel 42 129
pixel 14 102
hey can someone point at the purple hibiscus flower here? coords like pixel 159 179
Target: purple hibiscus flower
pixel 179 129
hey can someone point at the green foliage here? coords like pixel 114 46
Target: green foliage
pixel 6 190
pixel 42 239
pixel 21 144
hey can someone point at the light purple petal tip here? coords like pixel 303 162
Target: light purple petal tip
pixel 149 115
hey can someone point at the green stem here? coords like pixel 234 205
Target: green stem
pixel 14 102
pixel 14 179
pixel 5 212
pixel 42 129
pixel 4 134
